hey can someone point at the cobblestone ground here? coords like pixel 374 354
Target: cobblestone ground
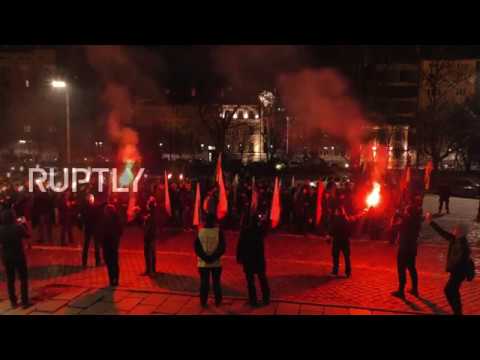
pixel 298 269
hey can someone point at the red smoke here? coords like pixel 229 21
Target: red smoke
pixel 119 75
pixel 320 99
pixel 118 99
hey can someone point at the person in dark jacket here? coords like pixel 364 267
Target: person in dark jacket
pixel 67 216
pixel 409 229
pixel 187 199
pixel 43 214
pixel 444 198
pixel 209 247
pixel 90 214
pixel 251 254
pixel 110 229
pixel 14 260
pixel 458 258
pixel 149 238
pixel 340 231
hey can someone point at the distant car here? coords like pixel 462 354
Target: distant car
pixel 465 188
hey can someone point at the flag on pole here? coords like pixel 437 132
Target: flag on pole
pixel 168 206
pixel 320 189
pixel 222 207
pixel 428 172
pixel 275 209
pixel 406 178
pixel 219 168
pixel 196 211
pixel 254 200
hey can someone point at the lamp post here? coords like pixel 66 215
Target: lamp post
pixel 59 84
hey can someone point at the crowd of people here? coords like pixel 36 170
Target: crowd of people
pixel 339 215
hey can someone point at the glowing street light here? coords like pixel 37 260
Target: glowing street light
pixel 60 84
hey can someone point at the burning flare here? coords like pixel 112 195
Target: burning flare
pixel 127 176
pixel 373 198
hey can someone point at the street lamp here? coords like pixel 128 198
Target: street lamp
pixel 59 84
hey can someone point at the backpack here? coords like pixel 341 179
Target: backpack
pixel 470 270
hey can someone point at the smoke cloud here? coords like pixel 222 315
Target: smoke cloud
pixel 125 73
pixel 321 100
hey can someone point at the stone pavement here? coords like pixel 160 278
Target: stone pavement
pixel 73 300
pixel 298 270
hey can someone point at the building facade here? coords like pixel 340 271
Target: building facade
pixel 28 106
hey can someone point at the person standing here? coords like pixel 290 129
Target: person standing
pixel 90 214
pixel 13 256
pixel 111 231
pixel 251 255
pixel 186 200
pixel 149 238
pixel 444 198
pixel 340 231
pixel 209 247
pixel 459 264
pixel 409 230
pixel 66 212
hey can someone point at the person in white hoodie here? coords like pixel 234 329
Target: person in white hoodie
pixel 209 247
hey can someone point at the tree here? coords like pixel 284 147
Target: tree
pixel 437 135
pixel 218 123
pixel 467 120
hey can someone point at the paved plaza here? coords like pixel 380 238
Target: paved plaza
pixel 298 270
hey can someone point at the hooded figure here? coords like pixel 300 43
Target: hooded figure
pixel 209 247
pixel 458 262
pixel 251 254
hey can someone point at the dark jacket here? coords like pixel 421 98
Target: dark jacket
pixel 458 251
pixel 251 248
pixel 409 230
pixel 340 229
pixel 110 229
pixel 150 226
pixel 444 192
pixel 11 241
pixel 90 216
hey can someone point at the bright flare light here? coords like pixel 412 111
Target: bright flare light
pixel 373 198
pixel 58 84
pixel 127 176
